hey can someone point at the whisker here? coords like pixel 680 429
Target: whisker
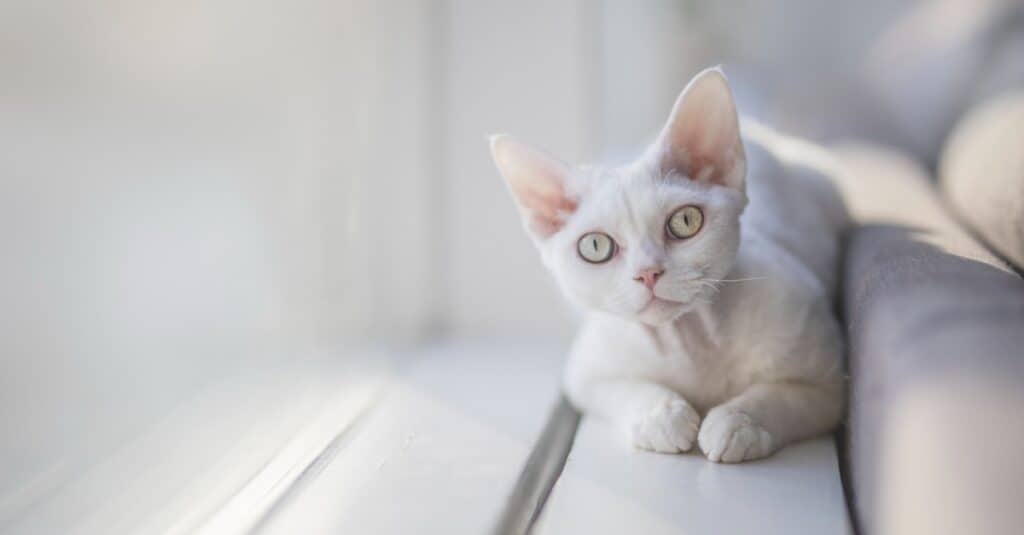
pixel 738 280
pixel 709 284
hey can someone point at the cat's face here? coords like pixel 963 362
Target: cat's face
pixel 645 246
pixel 650 240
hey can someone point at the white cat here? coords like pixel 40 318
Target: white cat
pixel 710 321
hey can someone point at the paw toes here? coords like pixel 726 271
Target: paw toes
pixel 737 448
pixel 732 438
pixel 670 427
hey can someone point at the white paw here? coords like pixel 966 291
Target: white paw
pixel 668 427
pixel 731 437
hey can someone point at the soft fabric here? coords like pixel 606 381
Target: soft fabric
pixel 936 360
pixel 982 173
pixel 933 63
pixel 920 75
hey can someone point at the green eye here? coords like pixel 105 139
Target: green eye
pixel 685 222
pixel 596 247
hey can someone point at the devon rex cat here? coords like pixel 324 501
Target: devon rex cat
pixel 709 297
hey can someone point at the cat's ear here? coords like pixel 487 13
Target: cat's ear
pixel 701 140
pixel 538 184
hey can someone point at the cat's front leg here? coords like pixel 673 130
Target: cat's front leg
pixel 653 417
pixel 766 417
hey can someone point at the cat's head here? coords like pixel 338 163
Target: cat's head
pixel 649 240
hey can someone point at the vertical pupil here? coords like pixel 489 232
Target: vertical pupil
pixel 686 219
pixel 595 244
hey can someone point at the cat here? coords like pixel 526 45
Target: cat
pixel 709 297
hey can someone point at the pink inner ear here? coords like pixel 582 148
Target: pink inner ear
pixel 703 169
pixel 702 138
pixel 546 208
pixel 537 182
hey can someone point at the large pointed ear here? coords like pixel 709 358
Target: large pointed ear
pixel 702 138
pixel 538 184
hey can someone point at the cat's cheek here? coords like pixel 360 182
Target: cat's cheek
pixel 575 290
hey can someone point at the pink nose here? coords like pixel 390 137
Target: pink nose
pixel 649 276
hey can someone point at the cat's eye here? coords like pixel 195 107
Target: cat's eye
pixel 596 247
pixel 685 222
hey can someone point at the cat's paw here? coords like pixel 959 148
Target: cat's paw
pixel 669 426
pixel 728 436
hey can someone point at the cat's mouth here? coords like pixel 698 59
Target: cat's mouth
pixel 656 301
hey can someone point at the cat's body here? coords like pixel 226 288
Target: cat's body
pixel 719 330
pixel 771 321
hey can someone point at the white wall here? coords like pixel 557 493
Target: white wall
pixel 528 69
pixel 391 253
pixel 649 50
pixel 177 205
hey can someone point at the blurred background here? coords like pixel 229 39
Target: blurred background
pixel 191 191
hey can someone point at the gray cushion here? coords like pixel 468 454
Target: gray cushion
pixel 927 308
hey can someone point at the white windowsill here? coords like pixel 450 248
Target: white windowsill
pixel 438 445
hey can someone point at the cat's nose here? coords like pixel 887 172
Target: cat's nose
pixel 649 276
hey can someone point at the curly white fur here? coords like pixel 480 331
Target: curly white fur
pixel 735 348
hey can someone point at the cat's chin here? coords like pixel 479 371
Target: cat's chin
pixel 660 312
